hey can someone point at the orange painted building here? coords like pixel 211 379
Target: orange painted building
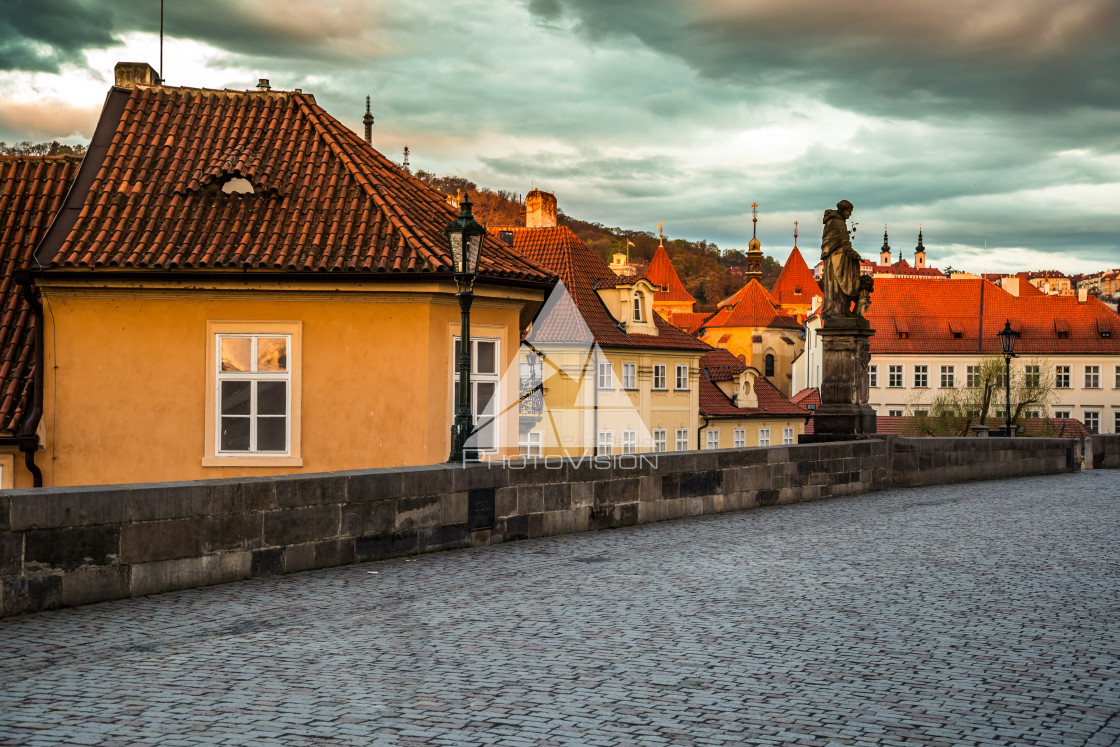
pixel 239 285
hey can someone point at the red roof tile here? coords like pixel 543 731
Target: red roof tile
pixel 914 316
pixel 31 191
pixel 664 278
pixel 322 199
pixel 580 315
pixel 809 398
pixel 721 365
pixel 795 284
pixel 689 321
pixel 751 306
pixel 771 403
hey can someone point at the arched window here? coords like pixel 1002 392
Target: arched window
pixel 769 364
pixel 637 307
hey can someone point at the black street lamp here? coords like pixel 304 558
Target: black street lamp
pixel 1007 338
pixel 465 236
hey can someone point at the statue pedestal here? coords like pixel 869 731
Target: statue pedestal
pixel 844 413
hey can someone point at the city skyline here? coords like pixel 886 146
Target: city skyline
pixel 993 123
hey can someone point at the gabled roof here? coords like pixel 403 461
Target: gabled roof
pixel 751 306
pixel 32 189
pixel 689 321
pixel 581 316
pixel 771 403
pixel 721 365
pixel 795 284
pixel 317 198
pixel 809 398
pixel 663 276
pixel 914 316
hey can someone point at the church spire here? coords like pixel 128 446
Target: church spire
pixel 754 252
pixel 885 252
pixel 920 251
pixel 367 120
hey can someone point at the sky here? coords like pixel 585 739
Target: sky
pixel 990 122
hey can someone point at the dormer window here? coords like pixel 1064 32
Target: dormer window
pixel 638 307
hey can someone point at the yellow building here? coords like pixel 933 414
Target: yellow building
pixel 739 407
pixel 239 285
pixel 614 376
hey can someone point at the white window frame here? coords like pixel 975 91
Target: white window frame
pixel 763 436
pixel 637 307
pixel 1063 377
pixel 629 442
pixel 604 443
pixel 740 438
pixel 659 373
pixel 894 413
pixel 895 376
pixel 660 439
pixel 711 439
pixel 921 376
pixel 531 444
pixel 1092 376
pixel 477 378
pixel 681 378
pixel 948 377
pixel 1116 421
pixel 787 436
pixel 605 375
pixel 629 375
pixel 682 439
pixel 1095 417
pixel 873 375
pixel 972 376
pixel 1063 414
pixel 213 456
pixel 1032 372
pixel 1117 384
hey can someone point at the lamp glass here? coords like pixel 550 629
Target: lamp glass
pixel 1007 337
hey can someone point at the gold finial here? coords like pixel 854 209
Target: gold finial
pixel 795 234
pixel 660 233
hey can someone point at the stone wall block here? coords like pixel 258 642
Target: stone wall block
pixel 530 499
pixel 649 489
pixel 427 480
pixel 477 476
pixel 566 522
pixel 293 492
pixel 583 493
pixel 161 540
pixel 625 515
pixel 536 525
pixel 55 510
pixel 241 496
pixel 386 545
pixel 505 502
pixel 67 549
pixel 30 594
pixel 187 573
pixel 453 508
pixel 234 532
pixel 267 562
pixel 371 517
pixel 516 528
pixel 5 513
pixel 374 485
pixel 11 554
pixel 694 505
pixel 318 555
pixel 155 501
pixel 297 525
pixel 701 483
pixel 543 471
pixel 557 497
pixel 88 585
pixel 444 537
pixel 651 511
pixel 614 492
pixel 417 513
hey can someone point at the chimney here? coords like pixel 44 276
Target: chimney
pixel 540 209
pixel 262 84
pixel 132 74
pixel 1082 295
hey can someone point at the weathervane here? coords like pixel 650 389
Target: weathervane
pixel 795 234
pixel 660 234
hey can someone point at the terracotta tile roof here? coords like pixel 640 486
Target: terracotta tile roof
pixel 795 284
pixel 319 198
pixel 808 398
pixel 31 191
pixel 771 403
pixel 721 365
pixel 689 321
pixel 663 276
pixel 751 306
pixel 913 316
pixel 579 315
pixel 616 281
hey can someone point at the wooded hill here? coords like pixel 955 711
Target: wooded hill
pixel 704 269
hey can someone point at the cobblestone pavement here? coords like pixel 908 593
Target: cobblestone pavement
pixel 976 614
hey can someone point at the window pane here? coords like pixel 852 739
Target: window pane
pixel 486 357
pixel 235 353
pixel 235 397
pixel 235 434
pixel 484 397
pixel 272 354
pixel 484 435
pixel 271 434
pixel 272 398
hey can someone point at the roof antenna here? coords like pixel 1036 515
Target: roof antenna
pixel 367 120
pixel 404 165
pixel 161 42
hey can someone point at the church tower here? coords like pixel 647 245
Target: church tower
pixel 754 252
pixel 920 251
pixel 885 251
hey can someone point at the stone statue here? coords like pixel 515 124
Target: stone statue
pixel 847 293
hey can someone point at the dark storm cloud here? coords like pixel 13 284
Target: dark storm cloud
pixel 885 57
pixel 40 35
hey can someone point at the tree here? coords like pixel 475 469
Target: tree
pixel 954 411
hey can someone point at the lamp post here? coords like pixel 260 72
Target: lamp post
pixel 1007 338
pixel 465 236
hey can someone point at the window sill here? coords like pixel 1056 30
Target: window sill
pixel 655 389
pixel 682 390
pixel 252 461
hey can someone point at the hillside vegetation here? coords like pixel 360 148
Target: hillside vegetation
pixel 704 269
